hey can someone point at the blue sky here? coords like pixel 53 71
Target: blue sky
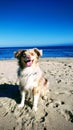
pixel 36 22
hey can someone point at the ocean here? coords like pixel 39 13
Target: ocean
pixel 48 51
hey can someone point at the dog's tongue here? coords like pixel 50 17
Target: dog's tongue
pixel 29 63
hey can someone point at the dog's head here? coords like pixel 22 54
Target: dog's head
pixel 27 58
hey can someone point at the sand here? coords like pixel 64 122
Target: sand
pixel 54 113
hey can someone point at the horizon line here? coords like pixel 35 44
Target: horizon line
pixel 38 46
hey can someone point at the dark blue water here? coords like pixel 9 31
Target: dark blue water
pixel 56 51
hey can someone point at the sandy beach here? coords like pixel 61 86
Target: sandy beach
pixel 54 113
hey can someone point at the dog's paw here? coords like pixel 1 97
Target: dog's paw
pixel 35 109
pixel 20 105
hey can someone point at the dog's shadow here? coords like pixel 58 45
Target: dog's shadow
pixel 10 91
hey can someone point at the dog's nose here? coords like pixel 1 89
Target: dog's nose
pixel 28 56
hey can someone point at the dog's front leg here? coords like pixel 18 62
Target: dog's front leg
pixel 36 98
pixel 22 99
pixel 35 102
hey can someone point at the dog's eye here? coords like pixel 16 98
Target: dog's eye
pixel 24 55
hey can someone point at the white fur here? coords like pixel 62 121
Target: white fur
pixel 23 99
pixel 27 79
pixel 28 76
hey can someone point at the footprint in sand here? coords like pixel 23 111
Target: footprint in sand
pixel 55 104
pixel 43 118
pixel 67 114
pixel 58 103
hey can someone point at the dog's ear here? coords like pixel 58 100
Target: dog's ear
pixel 38 52
pixel 17 54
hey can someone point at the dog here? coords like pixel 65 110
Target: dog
pixel 31 76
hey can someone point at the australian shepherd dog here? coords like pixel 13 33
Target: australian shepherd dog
pixel 31 76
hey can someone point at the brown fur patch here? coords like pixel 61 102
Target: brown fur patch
pixel 35 91
pixel 37 52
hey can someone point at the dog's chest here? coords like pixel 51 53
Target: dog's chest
pixel 29 78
